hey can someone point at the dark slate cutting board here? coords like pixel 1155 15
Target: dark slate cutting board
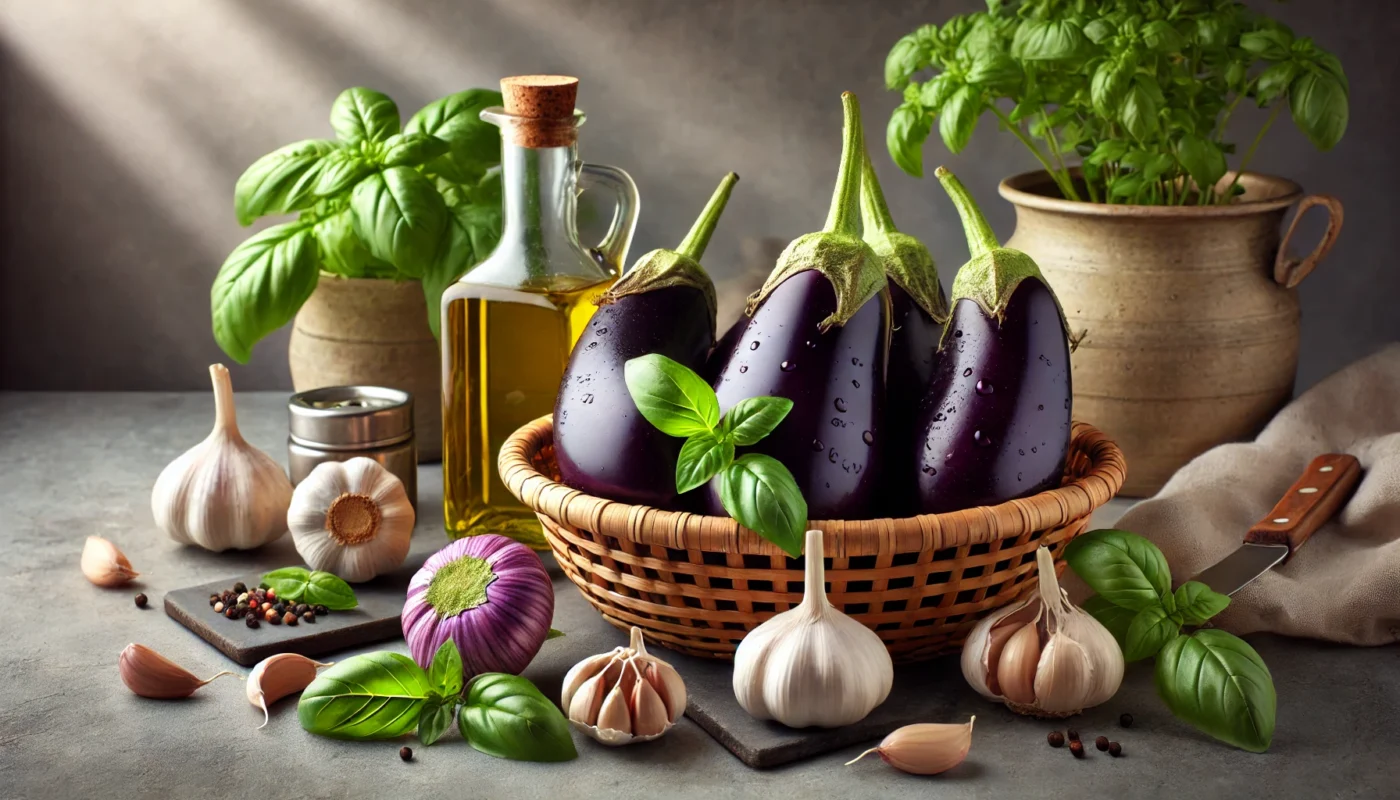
pixel 376 619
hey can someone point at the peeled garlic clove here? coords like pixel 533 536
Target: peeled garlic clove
pixel 1016 668
pixel 581 672
pixel 924 749
pixel 150 674
pixel 614 714
pixel 277 676
pixel 105 565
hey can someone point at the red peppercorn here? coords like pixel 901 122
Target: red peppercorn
pixel 1056 739
pixel 1072 735
pixel 271 595
pixel 1077 748
pixel 289 618
pixel 1115 749
pixel 140 601
pixel 406 753
pixel 1101 743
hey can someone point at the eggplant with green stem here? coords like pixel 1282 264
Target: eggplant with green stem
pixel 994 423
pixel 919 310
pixel 665 304
pixel 818 335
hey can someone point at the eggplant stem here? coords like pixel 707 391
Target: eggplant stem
pixel 874 211
pixel 845 201
pixel 980 237
pixel 694 244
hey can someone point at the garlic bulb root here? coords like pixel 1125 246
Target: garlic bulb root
pixel 277 676
pixel 623 696
pixel 812 665
pixel 150 674
pixel 351 518
pixel 1042 656
pixel 924 748
pixel 223 493
pixel 105 565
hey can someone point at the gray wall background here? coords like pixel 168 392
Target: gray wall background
pixel 127 123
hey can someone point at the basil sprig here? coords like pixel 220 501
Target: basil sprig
pixel 313 588
pixel 755 489
pixel 1209 678
pixel 386 695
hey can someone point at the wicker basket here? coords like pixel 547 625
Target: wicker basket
pixel 697 583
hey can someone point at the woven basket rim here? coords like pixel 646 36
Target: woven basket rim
pixel 683 530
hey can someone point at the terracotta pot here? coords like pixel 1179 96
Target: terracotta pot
pixel 1189 314
pixel 371 332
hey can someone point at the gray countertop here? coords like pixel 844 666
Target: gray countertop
pixel 72 465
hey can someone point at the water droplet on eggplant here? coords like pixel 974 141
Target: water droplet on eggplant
pixel 831 455
pixel 868 437
pixel 602 331
pixel 588 399
pixel 984 388
pixel 753 345
pixel 1033 450
pixel 1040 407
pixel 788 366
pixel 957 334
pixel 855 383
pixel 840 405
pixel 930 471
pixel 967 372
pixel 812 345
pixel 817 445
pixel 981 438
pixel 743 368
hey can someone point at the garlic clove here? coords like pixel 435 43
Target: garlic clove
pixel 669 687
pixel 150 674
pixel 925 748
pixel 277 676
pixel 1106 673
pixel 990 638
pixel 104 565
pixel 614 714
pixel 1016 668
pixel 649 715
pixel 1063 677
pixel 588 700
pixel 581 672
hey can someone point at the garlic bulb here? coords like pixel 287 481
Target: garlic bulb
pixel 222 493
pixel 812 665
pixel 925 748
pixel 277 676
pixel 1042 656
pixel 351 518
pixel 624 696
pixel 105 565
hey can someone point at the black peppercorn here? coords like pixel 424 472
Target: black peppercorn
pixel 1101 743
pixel 299 609
pixel 1126 720
pixel 321 610
pixel 308 616
pixel 406 753
pixel 1115 749
pixel 240 587
pixel 213 598
pixel 280 607
pixel 1072 735
pixel 251 621
pixel 140 601
pixel 1077 748
pixel 289 618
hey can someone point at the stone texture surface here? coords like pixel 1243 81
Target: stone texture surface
pixel 77 464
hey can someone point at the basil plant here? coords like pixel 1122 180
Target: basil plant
pixel 1141 90
pixel 421 201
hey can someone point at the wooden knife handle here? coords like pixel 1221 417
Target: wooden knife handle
pixel 1312 500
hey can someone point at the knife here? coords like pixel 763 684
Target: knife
pixel 1312 500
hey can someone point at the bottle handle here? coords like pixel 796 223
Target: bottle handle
pixel 612 251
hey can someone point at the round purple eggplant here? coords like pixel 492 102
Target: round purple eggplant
pixel 724 348
pixel 994 424
pixel 665 304
pixel 818 335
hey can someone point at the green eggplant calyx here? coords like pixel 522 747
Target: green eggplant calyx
pixel 906 261
pixel 837 251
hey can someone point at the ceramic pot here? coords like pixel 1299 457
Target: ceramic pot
pixel 1189 314
pixel 365 331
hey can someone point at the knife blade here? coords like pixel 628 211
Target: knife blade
pixel 1310 502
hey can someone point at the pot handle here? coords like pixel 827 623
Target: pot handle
pixel 1288 271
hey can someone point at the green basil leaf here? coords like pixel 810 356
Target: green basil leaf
pixel 701 458
pixel 506 716
pixel 261 285
pixel 325 589
pixel 995 70
pixel 1098 30
pixel 364 115
pixel 1198 602
pixel 1149 631
pixel 1270 43
pixel 274 183
pixel 341 250
pixel 1236 74
pixel 1218 683
pixel 671 397
pixel 474 145
pixel 908 56
pixel 909 127
pixel 434 720
pixel 1274 81
pixel 1047 40
pixel 958 118
pixel 471 233
pixel 1115 618
pixel 400 216
pixel 762 495
pixel 412 149
pixel 1162 37
pixel 1318 102
pixel 1332 66
pixel 1124 568
pixel 445 675
pixel 1138 113
pixel 1107 151
pixel 1108 86
pixel 1202 159
pixel 373 696
pixel 753 418
pixel 1213 32
pixel 339 171
pixel 288 582
pixel 1126 185
pixel 933 94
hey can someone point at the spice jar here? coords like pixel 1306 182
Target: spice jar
pixel 338 423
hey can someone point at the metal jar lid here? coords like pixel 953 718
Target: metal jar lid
pixel 351 417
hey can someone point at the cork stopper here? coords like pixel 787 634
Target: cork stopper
pixel 543 107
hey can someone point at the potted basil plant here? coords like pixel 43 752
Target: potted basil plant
pixel 387 216
pixel 1168 261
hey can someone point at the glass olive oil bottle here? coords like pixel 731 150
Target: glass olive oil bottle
pixel 509 323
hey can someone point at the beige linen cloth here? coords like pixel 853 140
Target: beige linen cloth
pixel 1344 584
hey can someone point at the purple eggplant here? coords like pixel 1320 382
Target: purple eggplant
pixel 994 424
pixel 920 310
pixel 665 304
pixel 819 336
